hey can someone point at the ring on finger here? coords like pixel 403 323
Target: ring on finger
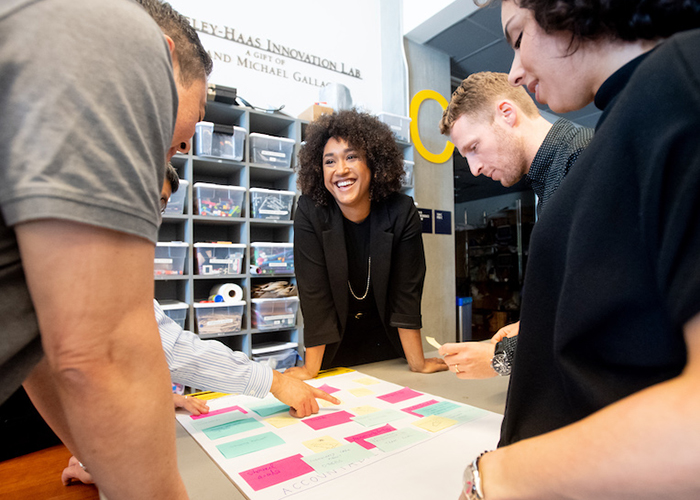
pixel 457 369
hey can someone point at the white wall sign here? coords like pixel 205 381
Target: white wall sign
pixel 282 53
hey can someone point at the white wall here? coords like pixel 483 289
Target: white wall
pixel 280 52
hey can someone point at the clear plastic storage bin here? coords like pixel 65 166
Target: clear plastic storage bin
pixel 271 204
pixel 400 125
pixel 217 200
pixel 221 141
pixel 219 258
pixel 274 314
pixel 271 258
pixel 175 310
pixel 407 180
pixel 218 318
pixel 176 203
pixel 279 360
pixel 271 150
pixel 169 258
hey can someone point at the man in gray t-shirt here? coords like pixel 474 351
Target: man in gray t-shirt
pixel 88 106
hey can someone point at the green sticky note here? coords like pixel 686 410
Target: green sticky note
pixel 464 414
pixel 328 461
pixel 267 409
pixel 379 417
pixel 250 444
pixel 437 408
pixel 231 428
pixel 224 418
pixel 398 439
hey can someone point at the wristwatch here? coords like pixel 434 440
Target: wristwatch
pixel 472 480
pixel 503 356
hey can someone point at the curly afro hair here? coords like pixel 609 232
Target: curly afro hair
pixel 361 131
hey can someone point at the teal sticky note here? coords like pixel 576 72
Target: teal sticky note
pixel 269 408
pixel 231 428
pixel 464 414
pixel 398 439
pixel 437 409
pixel 330 460
pixel 224 418
pixel 250 444
pixel 379 417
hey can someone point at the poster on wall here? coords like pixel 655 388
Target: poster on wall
pixel 278 53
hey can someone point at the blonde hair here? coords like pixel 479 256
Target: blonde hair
pixel 477 93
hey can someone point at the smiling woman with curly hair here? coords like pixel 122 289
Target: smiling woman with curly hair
pixel 358 248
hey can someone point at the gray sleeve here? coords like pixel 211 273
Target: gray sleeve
pixel 88 105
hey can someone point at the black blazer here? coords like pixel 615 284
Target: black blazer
pixel 321 266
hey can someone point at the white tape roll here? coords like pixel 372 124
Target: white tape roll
pixel 229 291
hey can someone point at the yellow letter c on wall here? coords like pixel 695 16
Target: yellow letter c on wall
pixel 417 100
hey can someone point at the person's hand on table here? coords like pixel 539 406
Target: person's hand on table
pixel 299 372
pixel 431 365
pixel 193 405
pixel 298 395
pixel 75 471
pixel 469 360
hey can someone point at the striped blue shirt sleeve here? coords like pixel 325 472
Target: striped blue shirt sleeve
pixel 209 364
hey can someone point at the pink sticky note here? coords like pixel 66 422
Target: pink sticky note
pixel 415 407
pixel 360 438
pixel 327 388
pixel 218 412
pixel 328 420
pixel 277 472
pixel 401 395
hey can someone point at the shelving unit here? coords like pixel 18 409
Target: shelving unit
pixel 189 228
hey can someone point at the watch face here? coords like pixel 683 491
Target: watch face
pixel 500 365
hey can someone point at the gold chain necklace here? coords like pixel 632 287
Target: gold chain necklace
pixel 369 273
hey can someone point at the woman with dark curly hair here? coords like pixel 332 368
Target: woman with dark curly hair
pixel 358 248
pixel 606 381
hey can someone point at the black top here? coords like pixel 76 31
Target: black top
pixel 322 269
pixel 614 269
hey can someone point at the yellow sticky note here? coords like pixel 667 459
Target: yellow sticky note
pixel 361 392
pixel 363 410
pixel 333 371
pixel 207 395
pixel 280 422
pixel 323 443
pixel 366 381
pixel 434 423
pixel 327 404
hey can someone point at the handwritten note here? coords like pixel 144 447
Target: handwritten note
pixel 411 409
pixel 322 443
pixel 327 388
pixel 361 392
pixel 282 421
pixel 396 440
pixel 360 438
pixel 217 412
pixel 366 381
pixel 363 410
pixel 437 409
pixel 216 420
pixel 250 444
pixel 434 423
pixel 328 461
pixel 231 428
pixel 401 395
pixel 464 414
pixel 379 417
pixel 328 420
pixel 269 408
pixel 277 472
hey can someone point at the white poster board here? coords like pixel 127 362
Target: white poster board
pixel 383 441
pixel 278 52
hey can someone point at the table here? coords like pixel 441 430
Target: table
pixel 204 480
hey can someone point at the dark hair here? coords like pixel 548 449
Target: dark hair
pixel 192 59
pixel 363 132
pixel 626 20
pixel 172 177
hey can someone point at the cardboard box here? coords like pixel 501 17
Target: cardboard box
pixel 313 112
